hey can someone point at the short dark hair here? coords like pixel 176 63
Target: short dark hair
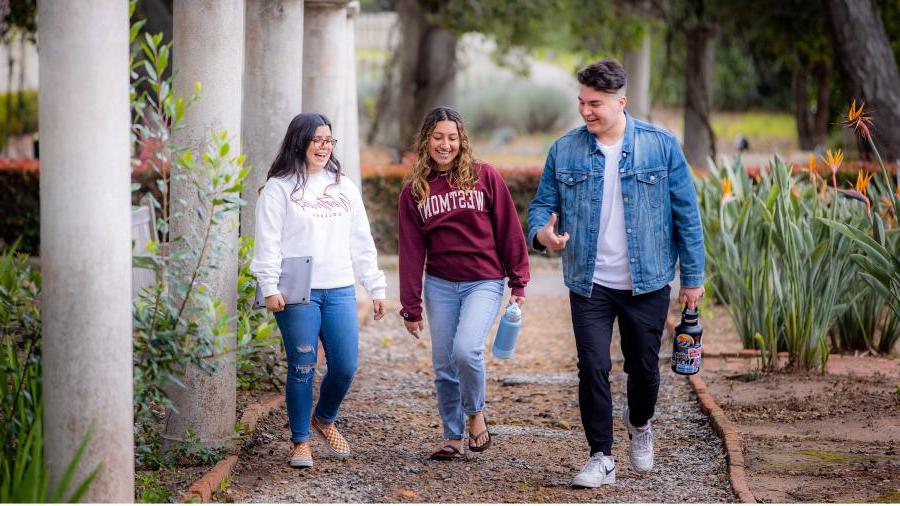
pixel 606 75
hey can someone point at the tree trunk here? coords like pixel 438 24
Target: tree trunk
pixel 812 124
pixel 637 67
pixel 699 139
pixel 868 67
pixel 427 69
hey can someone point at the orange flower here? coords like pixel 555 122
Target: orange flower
pixel 726 190
pixel 858 120
pixel 862 181
pixel 834 159
pixel 812 162
pixel 859 190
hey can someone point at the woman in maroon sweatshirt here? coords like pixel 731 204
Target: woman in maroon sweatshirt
pixel 458 223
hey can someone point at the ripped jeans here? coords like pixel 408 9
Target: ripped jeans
pixel 331 315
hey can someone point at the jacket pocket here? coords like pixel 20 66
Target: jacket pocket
pixel 572 187
pixel 652 186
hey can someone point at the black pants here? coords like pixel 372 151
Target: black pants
pixel 642 319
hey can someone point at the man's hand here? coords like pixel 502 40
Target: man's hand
pixel 518 299
pixel 378 308
pixel 414 328
pixel 691 296
pixel 275 303
pixel 548 236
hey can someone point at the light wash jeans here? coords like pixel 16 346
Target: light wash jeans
pixel 331 314
pixel 460 314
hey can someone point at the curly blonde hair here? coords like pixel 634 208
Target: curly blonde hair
pixel 463 174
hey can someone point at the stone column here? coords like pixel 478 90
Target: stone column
pixel 272 88
pixel 86 243
pixel 324 64
pixel 637 66
pixel 209 49
pixel 351 106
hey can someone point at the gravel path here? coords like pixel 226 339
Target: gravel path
pixel 390 418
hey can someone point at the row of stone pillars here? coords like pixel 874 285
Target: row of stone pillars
pixel 260 62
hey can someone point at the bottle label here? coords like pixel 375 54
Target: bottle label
pixel 685 355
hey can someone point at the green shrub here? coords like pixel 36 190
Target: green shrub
pixel 520 105
pixel 18 114
pixel 260 352
pixel 780 270
pixel 381 192
pixel 877 254
pixel 20 208
pixel 177 321
pixel 25 479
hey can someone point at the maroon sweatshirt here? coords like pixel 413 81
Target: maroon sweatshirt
pixel 460 236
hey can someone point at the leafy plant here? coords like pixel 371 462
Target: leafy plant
pixel 147 488
pixel 259 350
pixel 177 321
pixel 878 255
pixel 781 273
pixel 24 476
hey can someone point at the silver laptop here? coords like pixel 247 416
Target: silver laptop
pixel 295 283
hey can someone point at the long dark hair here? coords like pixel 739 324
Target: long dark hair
pixel 291 157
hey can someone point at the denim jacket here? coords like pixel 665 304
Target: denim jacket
pixel 662 219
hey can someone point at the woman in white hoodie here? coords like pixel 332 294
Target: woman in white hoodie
pixel 307 208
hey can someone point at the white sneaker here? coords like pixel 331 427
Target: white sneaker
pixel 599 470
pixel 640 445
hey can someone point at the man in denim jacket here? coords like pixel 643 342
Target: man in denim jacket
pixel 617 199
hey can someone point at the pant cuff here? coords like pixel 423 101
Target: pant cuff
pixel 323 420
pixel 607 450
pixel 473 412
pixel 299 439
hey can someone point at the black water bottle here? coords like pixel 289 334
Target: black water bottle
pixel 687 343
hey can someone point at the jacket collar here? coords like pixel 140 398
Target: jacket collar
pixel 627 141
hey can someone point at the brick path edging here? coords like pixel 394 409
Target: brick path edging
pixel 202 489
pixel 737 470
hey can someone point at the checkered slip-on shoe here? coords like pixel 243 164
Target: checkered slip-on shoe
pixel 333 439
pixel 301 455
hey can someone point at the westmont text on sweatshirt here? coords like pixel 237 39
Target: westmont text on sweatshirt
pixel 460 235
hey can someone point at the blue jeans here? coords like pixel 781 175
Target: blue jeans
pixel 331 315
pixel 460 314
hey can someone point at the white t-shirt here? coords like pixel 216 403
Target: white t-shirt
pixel 325 221
pixel 611 267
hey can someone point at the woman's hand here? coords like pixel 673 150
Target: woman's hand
pixel 414 328
pixel 378 308
pixel 275 303
pixel 518 299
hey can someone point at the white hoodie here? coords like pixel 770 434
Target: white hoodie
pixel 325 221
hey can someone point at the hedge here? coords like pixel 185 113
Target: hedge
pixel 381 189
pixel 20 210
pixel 20 207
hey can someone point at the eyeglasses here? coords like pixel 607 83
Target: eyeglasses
pixel 320 142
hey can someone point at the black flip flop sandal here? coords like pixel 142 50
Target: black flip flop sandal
pixel 476 437
pixel 448 452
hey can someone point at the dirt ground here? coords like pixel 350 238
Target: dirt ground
pixel 390 418
pixel 811 437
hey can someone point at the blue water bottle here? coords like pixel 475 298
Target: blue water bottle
pixel 507 332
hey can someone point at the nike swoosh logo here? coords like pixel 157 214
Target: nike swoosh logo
pixel 609 470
